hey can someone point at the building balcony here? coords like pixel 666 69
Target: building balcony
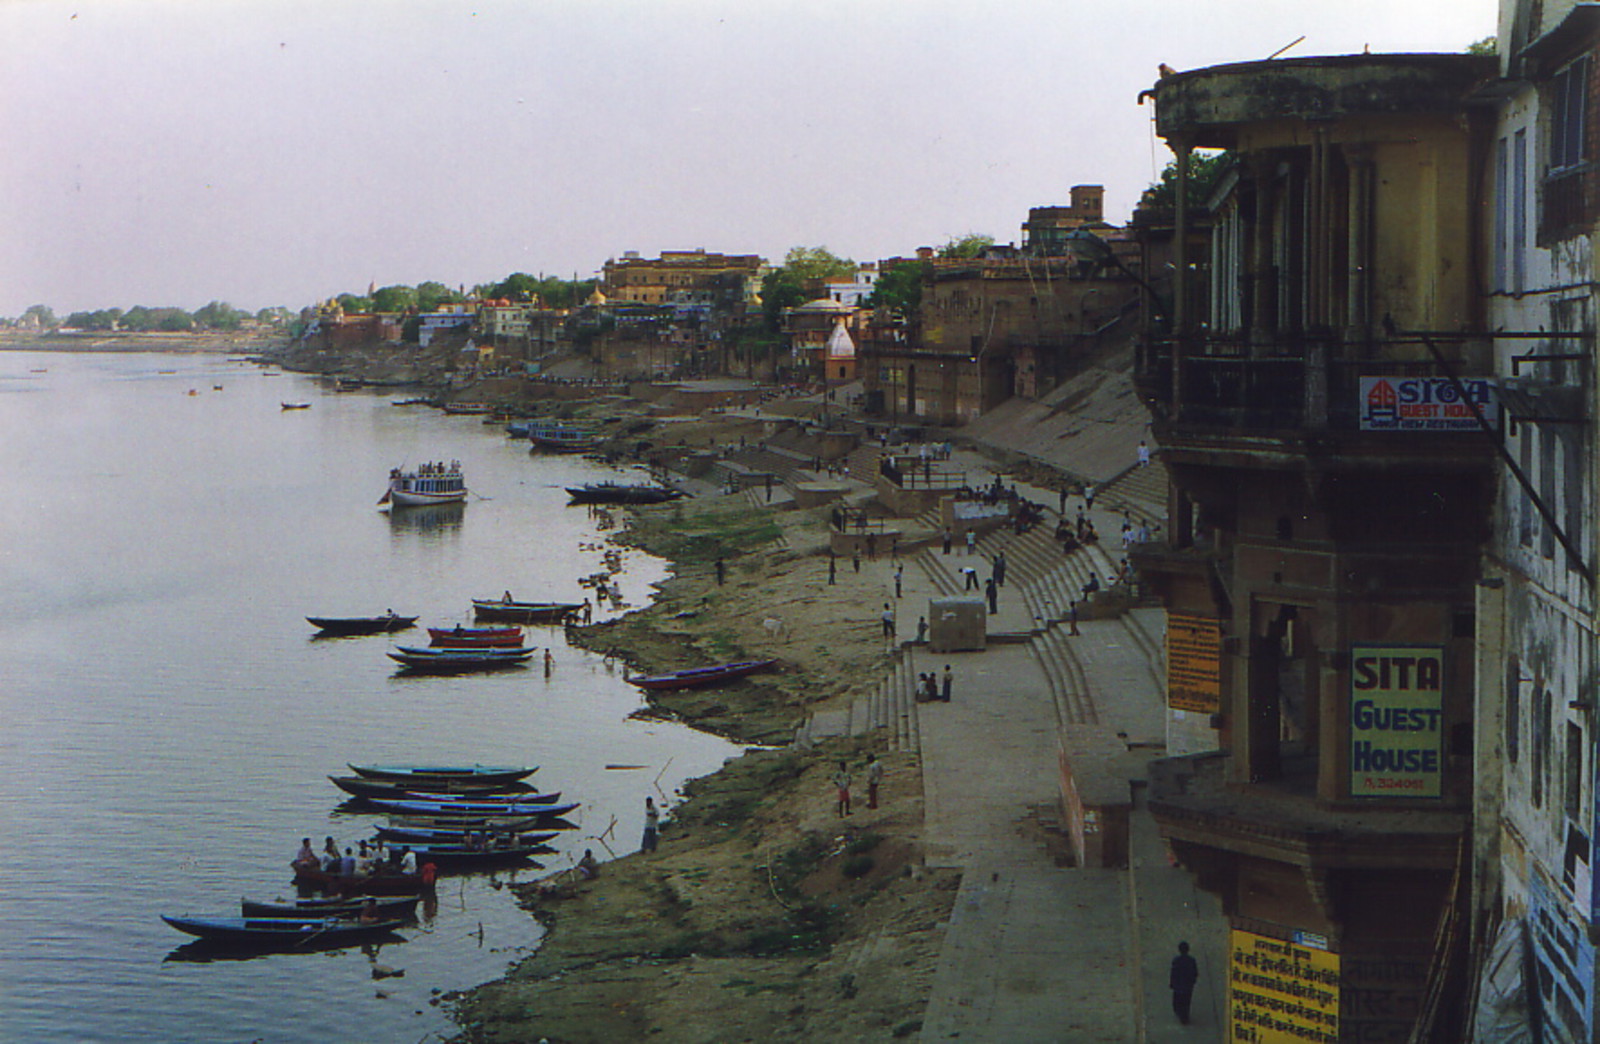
pixel 1194 804
pixel 1296 392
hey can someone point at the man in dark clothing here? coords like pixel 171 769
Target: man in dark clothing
pixel 1182 979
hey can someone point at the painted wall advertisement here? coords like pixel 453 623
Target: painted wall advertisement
pixel 1281 992
pixel 1424 403
pixel 1194 663
pixel 1396 720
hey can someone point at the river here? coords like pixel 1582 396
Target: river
pixel 168 723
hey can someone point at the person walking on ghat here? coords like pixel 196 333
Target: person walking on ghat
pixel 993 594
pixel 922 629
pixel 948 539
pixel 945 683
pixel 888 621
pixel 874 778
pixel 855 559
pixel 1000 569
pixel 841 786
pixel 720 572
pixel 1181 979
pixel 833 569
pixel 652 826
pixel 899 574
pixel 972 541
pixel 1072 619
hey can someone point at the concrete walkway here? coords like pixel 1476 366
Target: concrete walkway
pixel 1035 951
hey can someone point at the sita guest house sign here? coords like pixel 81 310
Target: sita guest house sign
pixel 1396 720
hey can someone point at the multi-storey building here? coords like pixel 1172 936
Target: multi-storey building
pixel 1047 228
pixel 683 277
pixel 988 328
pixel 1315 389
pixel 1536 894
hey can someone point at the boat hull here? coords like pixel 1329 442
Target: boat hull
pixel 692 679
pixel 523 612
pixel 428 773
pixel 474 637
pixel 410 806
pixel 388 907
pixel 350 625
pixel 280 932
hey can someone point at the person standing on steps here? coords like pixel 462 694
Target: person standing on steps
pixel 1072 619
pixel 922 629
pixel 888 621
pixel 1088 496
pixel 992 592
pixel 1184 974
pixel 874 778
pixel 972 542
pixel 899 574
pixel 948 539
pixel 1000 569
pixel 833 569
pixel 945 684
pixel 841 785
pixel 855 559
pixel 720 572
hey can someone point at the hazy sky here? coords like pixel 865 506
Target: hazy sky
pixel 267 152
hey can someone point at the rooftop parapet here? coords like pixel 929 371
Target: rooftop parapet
pixel 1209 105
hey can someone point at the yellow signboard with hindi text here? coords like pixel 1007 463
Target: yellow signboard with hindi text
pixel 1281 992
pixel 1194 663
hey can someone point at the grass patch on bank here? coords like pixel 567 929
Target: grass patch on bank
pixel 701 537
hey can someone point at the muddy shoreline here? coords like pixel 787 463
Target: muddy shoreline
pixel 764 914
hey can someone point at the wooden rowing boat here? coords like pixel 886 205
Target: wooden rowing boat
pixel 699 676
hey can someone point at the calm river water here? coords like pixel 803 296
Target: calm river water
pixel 167 724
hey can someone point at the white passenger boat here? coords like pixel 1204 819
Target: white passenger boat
pixel 432 483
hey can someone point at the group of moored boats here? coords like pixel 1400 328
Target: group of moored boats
pixel 441 819
pixel 458 650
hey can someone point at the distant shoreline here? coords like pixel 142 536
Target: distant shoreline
pixel 211 341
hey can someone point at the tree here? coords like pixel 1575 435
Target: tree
pixel 518 286
pixel 1488 45
pixel 396 298
pixel 900 287
pixel 276 315
pixel 43 315
pixel 102 319
pixel 354 305
pixel 970 245
pixel 1204 170
pixel 431 295
pixel 817 265
pixel 218 315
pixel 800 279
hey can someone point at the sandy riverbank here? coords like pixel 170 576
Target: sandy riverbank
pixel 764 915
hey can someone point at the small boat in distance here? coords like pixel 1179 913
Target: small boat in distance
pixel 523 612
pixel 431 483
pixel 699 676
pixel 474 637
pixel 316 906
pixel 295 405
pixel 459 661
pixel 423 774
pixel 621 493
pixel 350 625
pixel 558 438
pixel 282 932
